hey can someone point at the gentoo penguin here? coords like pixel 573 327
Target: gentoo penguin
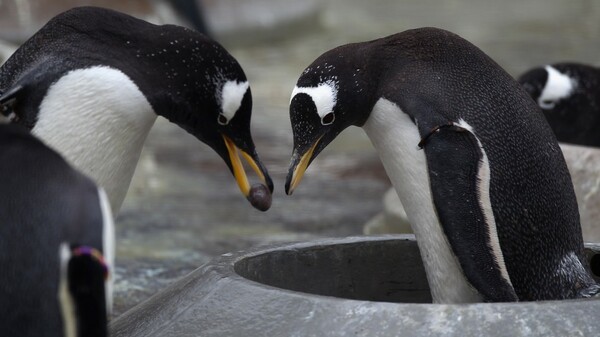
pixel 91 82
pixel 56 243
pixel 569 96
pixel 479 171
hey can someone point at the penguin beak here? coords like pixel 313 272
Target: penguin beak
pixel 298 166
pixel 238 168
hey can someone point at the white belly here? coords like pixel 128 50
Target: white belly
pixel 98 119
pixel 395 137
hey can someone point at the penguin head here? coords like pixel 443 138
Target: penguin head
pixel 330 95
pixel 217 110
pixel 567 95
pixel 82 292
pixel 548 86
pixel 204 90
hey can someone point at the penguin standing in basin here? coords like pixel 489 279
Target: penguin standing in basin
pixel 92 81
pixel 56 243
pixel 569 96
pixel 480 173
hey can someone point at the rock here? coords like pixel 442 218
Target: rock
pixel 246 22
pixel 584 165
pixel 260 197
pixel 21 19
pixel 6 50
pixel 393 219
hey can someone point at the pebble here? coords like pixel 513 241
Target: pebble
pixel 260 197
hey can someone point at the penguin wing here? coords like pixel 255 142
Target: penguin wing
pixel 459 175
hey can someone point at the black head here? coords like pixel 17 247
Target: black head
pixel 332 94
pixel 186 77
pixel 212 100
pixel 568 95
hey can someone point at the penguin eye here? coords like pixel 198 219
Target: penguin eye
pixel 222 120
pixel 328 119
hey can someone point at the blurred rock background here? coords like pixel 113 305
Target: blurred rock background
pixel 184 208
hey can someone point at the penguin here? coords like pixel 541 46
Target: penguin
pixel 569 96
pixel 476 166
pixel 92 81
pixel 56 243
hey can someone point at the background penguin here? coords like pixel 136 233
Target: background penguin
pixel 569 96
pixel 91 82
pixel 477 168
pixel 56 243
pixel 193 12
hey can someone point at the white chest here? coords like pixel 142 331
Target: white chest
pixel 98 119
pixel 395 137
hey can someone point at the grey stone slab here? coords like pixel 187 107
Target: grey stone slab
pixel 584 165
pixel 360 286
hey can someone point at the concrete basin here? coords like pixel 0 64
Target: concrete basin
pixel 359 286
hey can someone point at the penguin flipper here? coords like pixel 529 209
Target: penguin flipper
pixel 459 176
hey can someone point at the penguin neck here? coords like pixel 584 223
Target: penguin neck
pixel 395 137
pixel 98 119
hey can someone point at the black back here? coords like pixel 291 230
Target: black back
pixel 576 118
pixel 43 202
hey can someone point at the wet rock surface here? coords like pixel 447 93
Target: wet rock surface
pixel 584 165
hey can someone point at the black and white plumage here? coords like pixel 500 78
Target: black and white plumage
pixel 478 170
pixel 92 81
pixel 569 96
pixel 56 243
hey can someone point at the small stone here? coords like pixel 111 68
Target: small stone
pixel 260 197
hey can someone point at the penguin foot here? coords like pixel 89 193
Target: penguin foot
pixel 448 126
pixel 592 291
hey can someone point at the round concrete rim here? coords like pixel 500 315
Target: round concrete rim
pixel 214 300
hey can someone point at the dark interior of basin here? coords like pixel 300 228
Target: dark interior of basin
pixel 372 270
pixel 382 270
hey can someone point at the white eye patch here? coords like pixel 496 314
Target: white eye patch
pixel 558 86
pixel 232 95
pixel 324 96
